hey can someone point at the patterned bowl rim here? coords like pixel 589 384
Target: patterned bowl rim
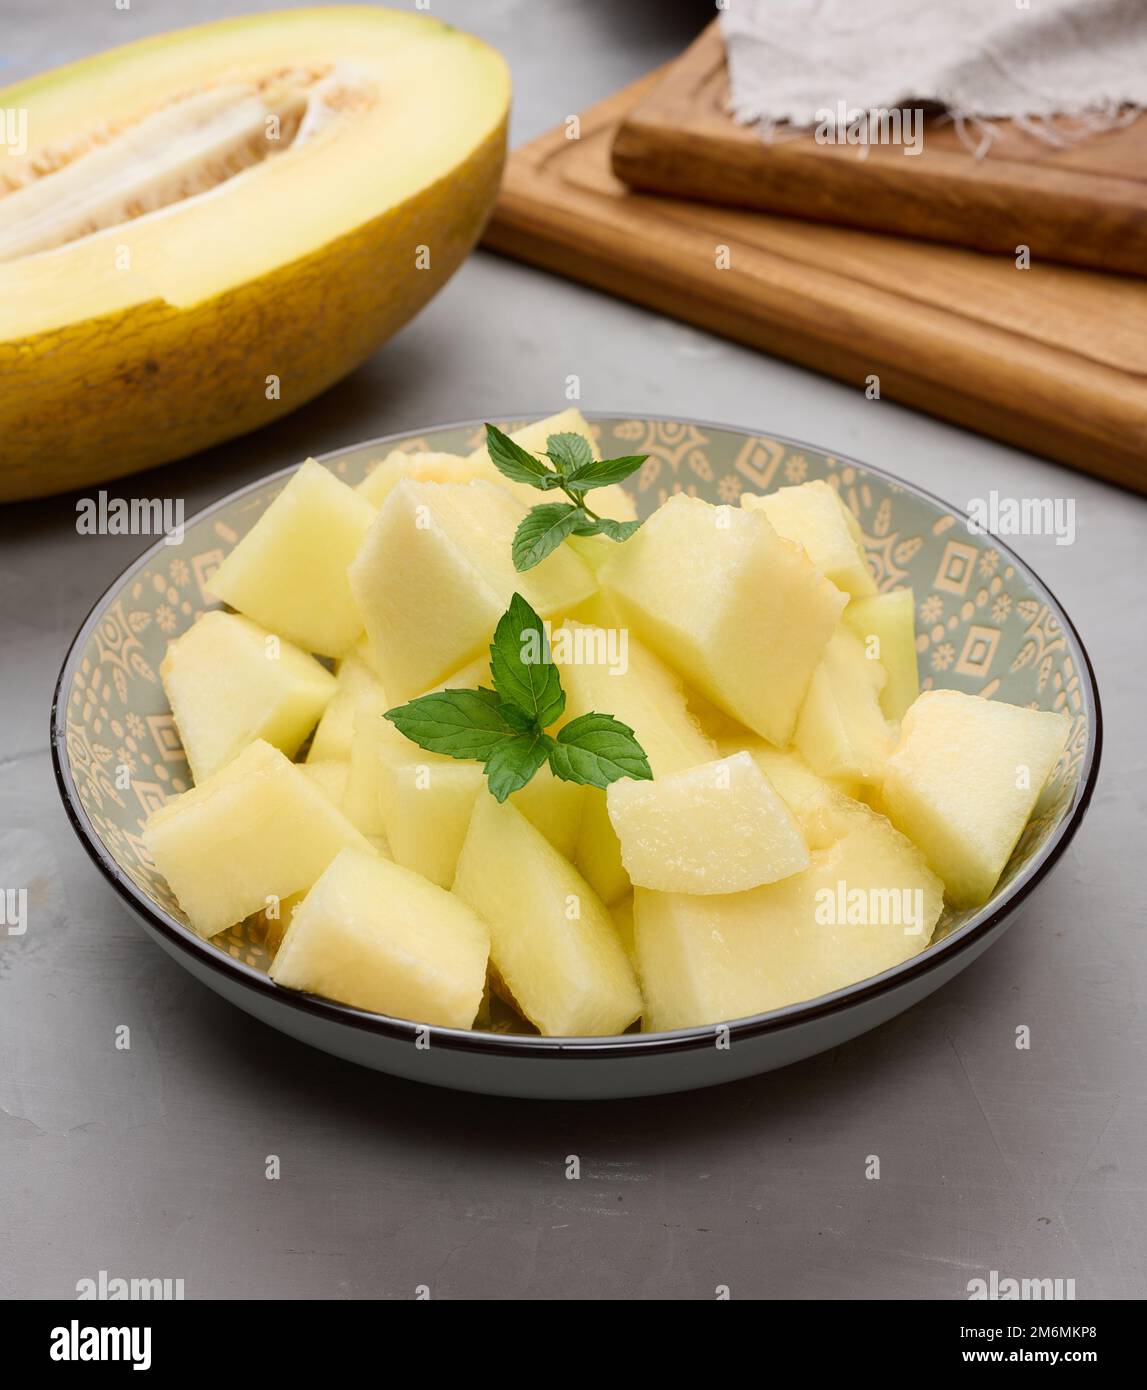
pixel 524 1046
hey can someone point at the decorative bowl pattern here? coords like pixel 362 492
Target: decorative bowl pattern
pixel 985 625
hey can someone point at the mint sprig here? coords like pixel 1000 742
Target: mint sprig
pixel 505 728
pixel 569 465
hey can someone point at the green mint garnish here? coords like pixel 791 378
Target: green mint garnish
pixel 569 465
pixel 505 728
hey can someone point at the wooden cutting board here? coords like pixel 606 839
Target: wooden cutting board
pixel 1052 359
pixel 1083 203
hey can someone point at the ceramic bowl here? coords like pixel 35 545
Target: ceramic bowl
pixel 986 625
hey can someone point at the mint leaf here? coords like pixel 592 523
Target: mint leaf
pixel 512 763
pixel 602 472
pixel 569 452
pixel 459 723
pixel 516 463
pixel 606 526
pixel 542 530
pixel 521 666
pixel 598 749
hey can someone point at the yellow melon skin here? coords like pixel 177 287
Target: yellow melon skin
pixel 145 365
pixel 708 960
pixel 964 780
pixel 258 828
pixel 553 943
pixel 379 937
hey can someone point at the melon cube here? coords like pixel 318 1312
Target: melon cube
pixel 716 828
pixel 842 731
pixel 612 501
pixel 865 904
pixel 643 694
pixel 425 466
pixel 886 624
pixel 371 735
pixel 553 944
pixel 379 937
pixel 329 775
pixel 554 807
pixel 229 681
pixel 622 914
pixel 426 802
pixel 728 603
pixel 257 828
pixel 435 574
pixel 289 572
pixel 332 740
pixel 963 781
pixel 814 517
pixel 815 802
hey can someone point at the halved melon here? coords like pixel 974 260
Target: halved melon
pixel 211 226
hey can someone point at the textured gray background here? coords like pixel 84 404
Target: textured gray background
pixel 151 1162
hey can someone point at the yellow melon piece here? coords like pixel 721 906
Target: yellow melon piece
pixel 716 828
pixel 435 574
pixel 963 781
pixel 307 189
pixel 289 572
pixel 622 914
pixel 332 740
pixel 842 732
pixel 426 803
pixel 816 803
pixel 554 807
pixel 372 733
pixel 379 937
pixel 229 681
pixel 886 624
pixel 329 775
pixel 814 517
pixel 729 604
pixel 864 904
pixel 423 466
pixel 256 828
pixel 553 943
pixel 643 694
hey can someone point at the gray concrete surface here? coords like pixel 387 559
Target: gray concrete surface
pixel 151 1162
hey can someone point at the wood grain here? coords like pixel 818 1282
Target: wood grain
pixel 1083 203
pixel 1052 359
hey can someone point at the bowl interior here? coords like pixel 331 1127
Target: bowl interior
pixel 985 625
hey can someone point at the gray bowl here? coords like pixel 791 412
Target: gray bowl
pixel 986 624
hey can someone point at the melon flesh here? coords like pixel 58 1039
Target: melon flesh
pixel 814 517
pixel 815 802
pixel 731 606
pixel 553 943
pixel 647 697
pixel 864 904
pixel 258 828
pixel 888 622
pixel 964 780
pixel 716 828
pixel 289 572
pixel 434 575
pixel 379 937
pixel 229 681
pixel 426 803
pixel 425 466
pixel 335 733
pixel 842 732
pixel 329 775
